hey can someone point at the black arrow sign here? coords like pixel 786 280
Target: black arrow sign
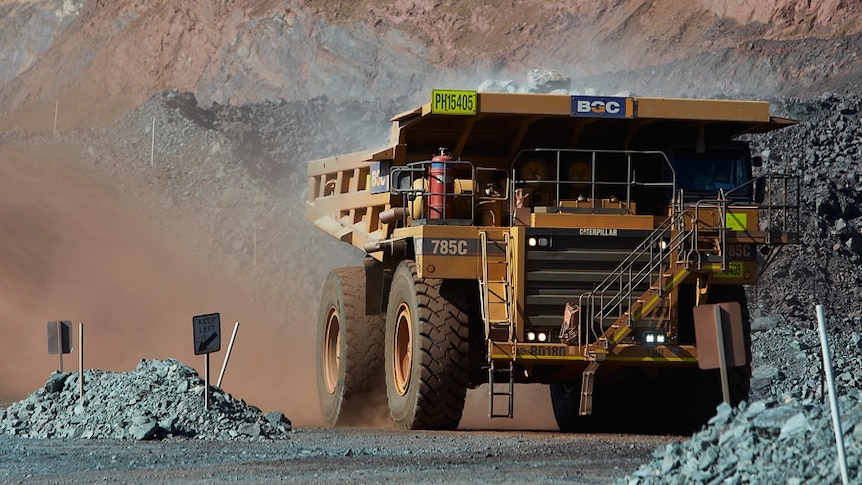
pixel 203 346
pixel 207 333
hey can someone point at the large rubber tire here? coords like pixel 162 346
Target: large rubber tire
pixel 426 353
pixel 565 399
pixel 349 353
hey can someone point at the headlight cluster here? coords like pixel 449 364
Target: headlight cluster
pixel 655 337
pixel 541 242
pixel 538 336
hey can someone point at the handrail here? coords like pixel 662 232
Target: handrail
pixel 782 193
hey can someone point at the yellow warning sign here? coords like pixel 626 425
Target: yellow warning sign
pixel 736 221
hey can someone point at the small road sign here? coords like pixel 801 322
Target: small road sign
pixel 60 337
pixel 207 333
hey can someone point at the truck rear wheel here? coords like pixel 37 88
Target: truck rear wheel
pixel 350 353
pixel 426 353
pixel 565 399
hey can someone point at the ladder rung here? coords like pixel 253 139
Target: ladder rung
pixel 509 370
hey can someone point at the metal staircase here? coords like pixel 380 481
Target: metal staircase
pixel 686 242
pixel 495 291
pixel 637 288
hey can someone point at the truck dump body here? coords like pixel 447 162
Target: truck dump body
pixel 578 231
pixel 506 123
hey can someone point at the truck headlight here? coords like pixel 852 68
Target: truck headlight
pixel 656 337
pixel 542 242
pixel 538 336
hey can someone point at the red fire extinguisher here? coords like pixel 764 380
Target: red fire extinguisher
pixel 441 187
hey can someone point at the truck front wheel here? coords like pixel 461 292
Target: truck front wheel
pixel 426 353
pixel 350 353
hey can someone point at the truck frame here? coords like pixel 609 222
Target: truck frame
pixel 575 241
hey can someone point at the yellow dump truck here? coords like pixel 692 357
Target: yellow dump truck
pixel 596 244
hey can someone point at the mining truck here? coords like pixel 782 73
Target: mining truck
pixel 582 242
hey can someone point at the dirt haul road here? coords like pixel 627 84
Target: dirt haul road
pixel 316 455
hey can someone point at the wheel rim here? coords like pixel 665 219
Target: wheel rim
pixel 331 350
pixel 402 349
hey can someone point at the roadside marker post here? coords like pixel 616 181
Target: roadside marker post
pixel 81 360
pixel 833 398
pixel 227 354
pixel 206 330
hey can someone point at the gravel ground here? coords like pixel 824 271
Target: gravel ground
pixel 314 455
pixel 150 425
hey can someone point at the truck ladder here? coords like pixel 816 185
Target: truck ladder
pixel 495 285
pixel 508 391
pixel 495 291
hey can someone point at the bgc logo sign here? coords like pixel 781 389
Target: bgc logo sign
pixel 602 107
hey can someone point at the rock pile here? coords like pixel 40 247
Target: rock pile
pixel 770 441
pixel 784 434
pixel 159 399
pixel 787 360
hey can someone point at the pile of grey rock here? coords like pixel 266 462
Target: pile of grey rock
pixel 787 361
pixel 547 81
pixel 784 433
pixel 773 441
pixel 159 399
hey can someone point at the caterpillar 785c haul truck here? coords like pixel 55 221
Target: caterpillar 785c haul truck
pixel 574 241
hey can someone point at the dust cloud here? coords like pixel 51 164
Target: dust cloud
pixel 71 250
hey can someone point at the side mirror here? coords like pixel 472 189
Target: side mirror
pixel 756 161
pixel 401 180
pixel 759 190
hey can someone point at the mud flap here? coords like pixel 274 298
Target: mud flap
pixel 706 338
